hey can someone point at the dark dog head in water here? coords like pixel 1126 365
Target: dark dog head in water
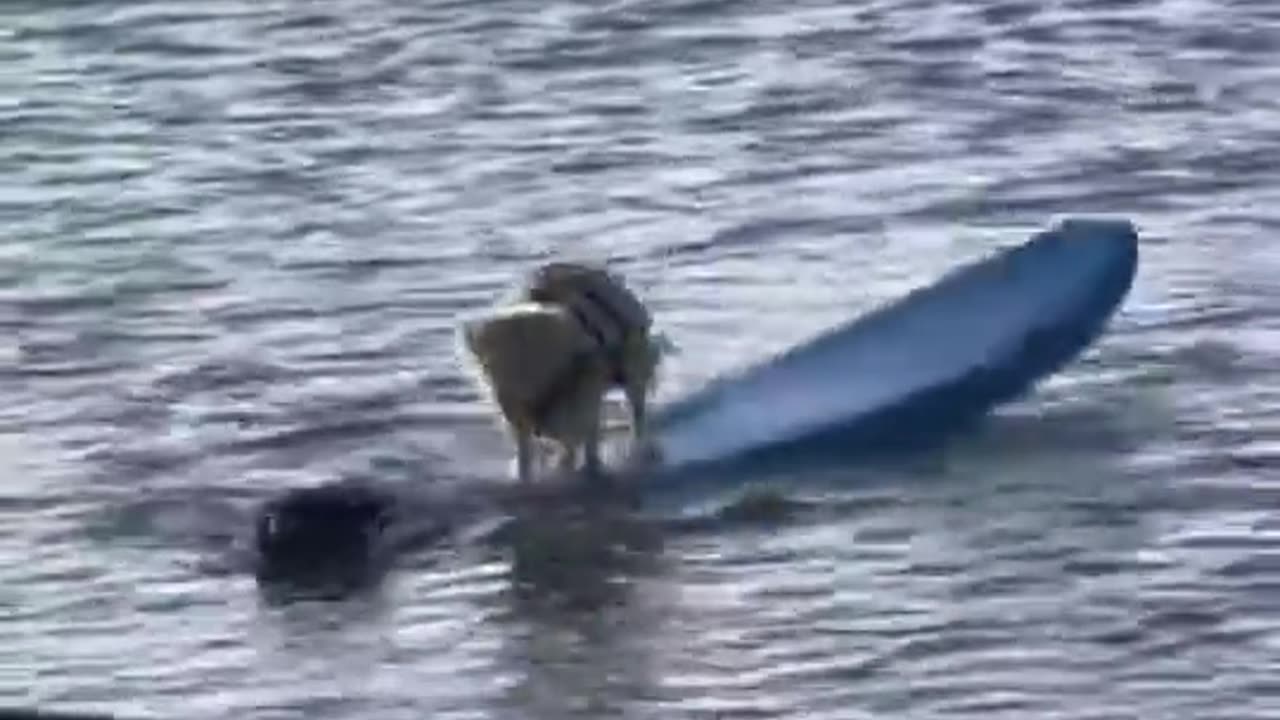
pixel 329 536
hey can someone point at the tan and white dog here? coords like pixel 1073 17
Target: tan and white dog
pixel 550 354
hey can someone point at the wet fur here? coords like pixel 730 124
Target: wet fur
pixel 549 350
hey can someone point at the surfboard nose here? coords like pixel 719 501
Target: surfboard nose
pixel 1077 262
pixel 1096 229
pixel 1111 238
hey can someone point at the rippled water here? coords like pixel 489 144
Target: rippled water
pixel 236 236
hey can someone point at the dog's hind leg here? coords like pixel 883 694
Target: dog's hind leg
pixel 639 373
pixel 643 449
pixel 639 416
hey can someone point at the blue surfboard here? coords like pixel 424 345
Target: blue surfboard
pixel 913 371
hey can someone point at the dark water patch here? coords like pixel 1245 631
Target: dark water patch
pixel 63 370
pixel 299 438
pixel 122 464
pixel 221 374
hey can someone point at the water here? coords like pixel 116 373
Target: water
pixel 236 237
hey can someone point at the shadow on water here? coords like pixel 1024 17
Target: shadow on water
pixel 578 556
pixel 578 577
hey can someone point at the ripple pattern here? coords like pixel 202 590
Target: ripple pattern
pixel 237 237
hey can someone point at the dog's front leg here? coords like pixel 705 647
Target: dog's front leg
pixel 591 443
pixel 524 456
pixel 643 450
pixel 639 418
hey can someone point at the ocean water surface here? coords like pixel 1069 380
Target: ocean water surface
pixel 237 237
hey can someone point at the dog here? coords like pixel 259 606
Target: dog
pixel 569 334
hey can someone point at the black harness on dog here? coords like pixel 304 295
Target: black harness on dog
pixel 570 376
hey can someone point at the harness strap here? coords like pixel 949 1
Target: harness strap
pixel 613 348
